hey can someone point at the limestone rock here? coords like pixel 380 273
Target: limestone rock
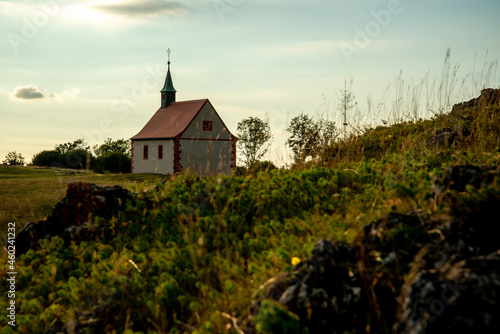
pixel 71 216
pixel 442 137
pixel 460 298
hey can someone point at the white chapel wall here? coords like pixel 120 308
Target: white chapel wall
pixel 206 157
pixel 153 164
pixel 195 129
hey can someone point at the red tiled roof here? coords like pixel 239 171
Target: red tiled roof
pixel 171 121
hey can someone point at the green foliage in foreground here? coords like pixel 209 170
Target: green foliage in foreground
pixel 201 246
pixel 196 251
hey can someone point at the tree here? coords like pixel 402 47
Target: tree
pixel 346 103
pixel 327 134
pixel 46 158
pixel 113 156
pixel 76 154
pixel 78 144
pixel 110 146
pixel 13 158
pixel 254 139
pixel 308 137
pixel 303 136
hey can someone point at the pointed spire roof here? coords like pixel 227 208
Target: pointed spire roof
pixel 168 86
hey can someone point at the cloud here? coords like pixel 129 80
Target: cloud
pixel 30 92
pixel 27 92
pixel 140 8
pixel 61 97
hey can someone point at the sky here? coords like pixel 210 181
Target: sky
pixel 94 69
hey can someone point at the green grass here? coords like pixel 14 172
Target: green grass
pixel 202 247
pixel 29 193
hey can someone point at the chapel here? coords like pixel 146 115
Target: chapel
pixel 183 136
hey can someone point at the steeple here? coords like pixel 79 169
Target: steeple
pixel 168 91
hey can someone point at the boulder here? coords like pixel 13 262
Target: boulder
pixel 458 177
pixel 457 298
pixel 453 283
pixel 71 218
pixel 326 290
pixel 442 137
pixel 447 137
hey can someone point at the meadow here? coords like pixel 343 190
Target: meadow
pixel 30 193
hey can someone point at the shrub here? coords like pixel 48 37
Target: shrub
pixel 261 166
pixel 114 162
pixel 274 318
pixel 46 158
pixel 76 159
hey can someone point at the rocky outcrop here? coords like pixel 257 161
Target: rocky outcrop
pixel 71 218
pixel 488 97
pixel 446 137
pixel 326 290
pixel 458 177
pixel 442 137
pixel 458 297
pixel 452 283
pixel 407 273
pixel 465 111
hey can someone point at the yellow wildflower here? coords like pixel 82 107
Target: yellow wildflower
pixel 295 261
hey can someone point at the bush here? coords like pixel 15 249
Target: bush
pixel 76 159
pixel 46 158
pixel 274 318
pixel 115 162
pixel 261 166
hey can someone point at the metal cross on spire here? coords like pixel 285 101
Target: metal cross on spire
pixel 168 52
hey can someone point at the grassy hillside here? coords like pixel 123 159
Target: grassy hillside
pixel 190 256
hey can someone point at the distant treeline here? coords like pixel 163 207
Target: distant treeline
pixel 113 156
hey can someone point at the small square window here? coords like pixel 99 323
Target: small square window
pixel 145 152
pixel 207 125
pixel 160 152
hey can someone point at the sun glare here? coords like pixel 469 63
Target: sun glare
pixel 88 13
